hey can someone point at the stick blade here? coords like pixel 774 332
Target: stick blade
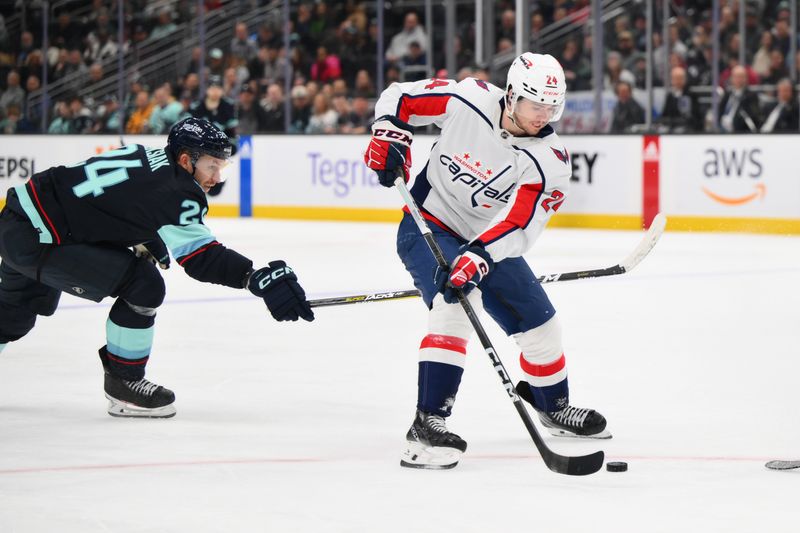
pixel 783 465
pixel 648 242
pixel 583 465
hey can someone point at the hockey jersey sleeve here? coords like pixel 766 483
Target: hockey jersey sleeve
pixel 537 197
pixel 203 257
pixel 418 103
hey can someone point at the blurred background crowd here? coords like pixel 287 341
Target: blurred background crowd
pixel 136 67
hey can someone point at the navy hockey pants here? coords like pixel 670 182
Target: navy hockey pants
pixel 33 275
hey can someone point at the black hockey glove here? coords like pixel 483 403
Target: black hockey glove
pixel 154 251
pixel 285 298
pixel 390 149
pixel 468 269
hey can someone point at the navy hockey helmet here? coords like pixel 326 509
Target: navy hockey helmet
pixel 199 137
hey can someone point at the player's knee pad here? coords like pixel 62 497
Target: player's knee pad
pixel 541 345
pixel 143 288
pixel 450 319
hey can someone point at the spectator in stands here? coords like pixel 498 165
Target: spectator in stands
pixel 363 85
pixel 359 119
pixel 615 73
pixel 139 119
pixel 82 119
pixel 269 65
pixel 232 84
pixel 739 107
pixel 681 112
pixel 267 38
pixel 781 36
pixel 194 61
pixel 412 31
pixel 71 68
pixel 273 104
pixel 504 45
pixel 166 110
pixel 321 23
pixel 413 64
pixel 100 47
pixel 761 59
pixel 25 48
pixel 252 118
pixel 108 116
pixel 139 35
pixel 32 113
pixel 191 85
pixel 627 112
pixel 13 117
pixel 62 123
pixel 13 95
pixel 627 50
pixel 577 70
pixel 301 109
pixel 323 118
pixel 216 109
pixel 777 68
pixel 66 33
pixel 508 26
pixel 164 25
pixel 782 116
pixel 242 47
pixel 216 62
pixel 92 92
pixel 327 66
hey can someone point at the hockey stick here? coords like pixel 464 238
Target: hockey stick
pixel 634 258
pixel 783 465
pixel 571 466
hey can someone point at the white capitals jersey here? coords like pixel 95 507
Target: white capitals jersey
pixel 481 182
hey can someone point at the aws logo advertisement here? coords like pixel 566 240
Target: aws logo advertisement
pixel 733 176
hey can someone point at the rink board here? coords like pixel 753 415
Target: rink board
pixel 702 182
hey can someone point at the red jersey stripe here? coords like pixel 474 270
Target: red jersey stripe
pixel 426 105
pixel 444 342
pixel 42 211
pixel 198 251
pixel 542 370
pixel 520 215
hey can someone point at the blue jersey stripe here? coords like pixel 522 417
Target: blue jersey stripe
pixel 45 237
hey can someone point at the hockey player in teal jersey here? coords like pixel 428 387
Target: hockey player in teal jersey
pixel 72 228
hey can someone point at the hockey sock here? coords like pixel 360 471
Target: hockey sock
pixel 437 387
pixel 129 336
pixel 2 347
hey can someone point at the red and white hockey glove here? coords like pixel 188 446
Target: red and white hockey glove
pixel 390 149
pixel 468 269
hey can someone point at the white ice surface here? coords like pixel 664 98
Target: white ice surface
pixel 692 357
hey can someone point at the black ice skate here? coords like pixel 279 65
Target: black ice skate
pixel 570 421
pixel 137 399
pixel 430 445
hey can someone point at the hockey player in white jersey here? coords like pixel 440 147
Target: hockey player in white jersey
pixel 493 179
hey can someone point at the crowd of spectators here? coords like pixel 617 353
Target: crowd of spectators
pixel 332 55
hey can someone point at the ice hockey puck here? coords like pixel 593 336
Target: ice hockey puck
pixel 617 466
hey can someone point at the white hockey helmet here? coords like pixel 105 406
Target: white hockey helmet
pixel 539 78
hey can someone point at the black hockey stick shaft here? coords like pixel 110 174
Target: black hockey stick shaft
pixel 573 466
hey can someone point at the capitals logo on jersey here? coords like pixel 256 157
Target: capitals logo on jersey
pixel 562 156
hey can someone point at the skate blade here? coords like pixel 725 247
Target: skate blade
pixel 417 455
pixel 556 432
pixel 120 409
